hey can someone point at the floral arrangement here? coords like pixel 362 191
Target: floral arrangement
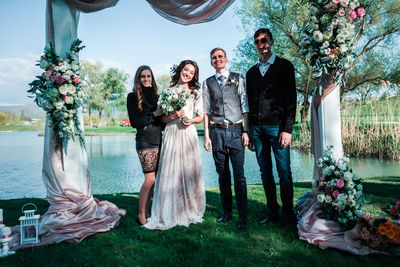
pixel 173 99
pixel 233 81
pixel 58 92
pixel 339 191
pixel 327 37
pixel 379 233
pixel 394 210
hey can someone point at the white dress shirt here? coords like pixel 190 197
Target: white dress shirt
pixel 263 67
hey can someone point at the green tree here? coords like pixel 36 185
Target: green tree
pixel 92 85
pixel 163 82
pixel 113 91
pixel 378 33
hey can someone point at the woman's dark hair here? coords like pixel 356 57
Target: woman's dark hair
pixel 194 83
pixel 137 85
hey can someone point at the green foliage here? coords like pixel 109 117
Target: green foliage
pixel 205 244
pixel 104 89
pixel 163 82
pixel 7 117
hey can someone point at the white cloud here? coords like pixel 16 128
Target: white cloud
pixel 15 75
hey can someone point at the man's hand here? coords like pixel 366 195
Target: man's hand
pixel 285 139
pixel 251 147
pixel 207 144
pixel 245 139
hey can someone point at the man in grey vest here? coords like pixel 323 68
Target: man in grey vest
pixel 225 104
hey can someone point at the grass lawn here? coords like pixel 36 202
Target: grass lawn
pixel 205 244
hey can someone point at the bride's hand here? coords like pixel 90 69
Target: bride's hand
pixel 181 113
pixel 187 123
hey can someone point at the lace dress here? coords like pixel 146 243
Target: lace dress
pixel 179 196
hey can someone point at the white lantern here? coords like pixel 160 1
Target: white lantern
pixel 29 225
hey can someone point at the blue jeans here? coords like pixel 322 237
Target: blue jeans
pixel 265 137
pixel 227 144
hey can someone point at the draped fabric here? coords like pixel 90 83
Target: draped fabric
pixel 88 6
pixel 326 125
pixel 73 213
pixel 188 12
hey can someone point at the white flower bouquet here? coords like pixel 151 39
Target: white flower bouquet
pixel 58 91
pixel 339 190
pixel 328 35
pixel 173 99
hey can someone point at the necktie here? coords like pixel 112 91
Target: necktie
pixel 221 80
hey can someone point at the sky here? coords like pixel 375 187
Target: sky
pixel 124 37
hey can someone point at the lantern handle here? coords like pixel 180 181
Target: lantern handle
pixel 27 205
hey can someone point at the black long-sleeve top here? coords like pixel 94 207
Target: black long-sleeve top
pixel 148 127
pixel 272 97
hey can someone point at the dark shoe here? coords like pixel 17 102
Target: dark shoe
pixel 224 218
pixel 289 221
pixel 273 218
pixel 138 221
pixel 241 226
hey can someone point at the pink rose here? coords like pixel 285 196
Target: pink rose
pixel 353 15
pixel 60 64
pixel 352 6
pixel 343 3
pixel 339 183
pixel 335 193
pixel 360 12
pixel 76 79
pixel 335 1
pixel 60 79
pixel 394 210
pixel 64 97
pixel 48 72
pixel 398 203
pixel 341 13
pixel 53 78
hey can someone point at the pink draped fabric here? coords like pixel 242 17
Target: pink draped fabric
pixel 188 12
pixel 328 234
pixel 73 213
pixel 88 6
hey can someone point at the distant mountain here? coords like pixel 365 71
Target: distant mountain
pixel 31 110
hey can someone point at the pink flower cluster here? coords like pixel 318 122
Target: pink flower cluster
pixel 357 14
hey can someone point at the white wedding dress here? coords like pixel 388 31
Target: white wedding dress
pixel 179 196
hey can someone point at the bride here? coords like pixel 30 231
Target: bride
pixel 179 196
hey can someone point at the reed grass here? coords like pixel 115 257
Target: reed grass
pixel 371 130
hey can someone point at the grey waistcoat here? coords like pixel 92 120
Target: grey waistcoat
pixel 225 101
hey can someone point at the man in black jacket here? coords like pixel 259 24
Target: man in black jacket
pixel 271 90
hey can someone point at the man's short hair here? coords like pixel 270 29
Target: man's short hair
pixel 216 49
pixel 265 31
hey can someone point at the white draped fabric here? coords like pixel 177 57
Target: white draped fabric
pixel 73 213
pixel 188 12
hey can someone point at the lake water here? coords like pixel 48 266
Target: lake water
pixel 115 167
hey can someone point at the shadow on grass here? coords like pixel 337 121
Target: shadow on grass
pixel 208 243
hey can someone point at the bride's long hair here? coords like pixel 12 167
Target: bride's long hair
pixel 194 83
pixel 137 85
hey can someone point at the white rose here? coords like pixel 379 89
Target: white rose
pixel 340 38
pixel 344 49
pixel 318 36
pixel 71 89
pixel 342 166
pixel 327 35
pixel 321 197
pixel 66 115
pixel 59 105
pixel 63 90
pixel 69 100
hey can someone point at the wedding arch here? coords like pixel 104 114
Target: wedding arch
pixel 73 213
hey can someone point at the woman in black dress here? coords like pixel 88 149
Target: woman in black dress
pixel 146 118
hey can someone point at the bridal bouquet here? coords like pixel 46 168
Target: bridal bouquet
pixel 339 190
pixel 328 35
pixel 58 92
pixel 173 99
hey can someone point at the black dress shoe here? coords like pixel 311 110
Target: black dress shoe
pixel 289 221
pixel 240 226
pixel 270 219
pixel 224 218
